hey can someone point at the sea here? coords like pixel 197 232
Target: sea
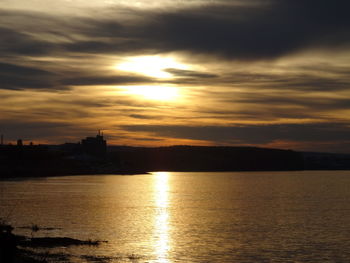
pixel 165 217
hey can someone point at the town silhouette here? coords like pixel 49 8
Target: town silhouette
pixel 92 155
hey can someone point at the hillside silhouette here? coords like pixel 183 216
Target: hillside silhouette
pixel 93 156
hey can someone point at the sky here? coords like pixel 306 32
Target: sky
pixel 266 73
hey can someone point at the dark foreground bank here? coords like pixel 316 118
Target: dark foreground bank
pixel 22 249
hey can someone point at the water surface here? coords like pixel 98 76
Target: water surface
pixel 191 217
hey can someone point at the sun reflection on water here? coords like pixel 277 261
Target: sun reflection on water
pixel 161 189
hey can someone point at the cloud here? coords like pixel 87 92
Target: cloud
pixel 264 30
pixel 313 104
pixel 16 77
pixel 17 43
pixel 144 117
pixel 253 32
pixel 7 69
pixel 246 31
pixel 250 134
pixel 104 80
pixel 297 78
pixel 31 130
pixel 190 73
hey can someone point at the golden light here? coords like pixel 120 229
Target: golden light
pixel 161 189
pixel 153 66
pixel 161 93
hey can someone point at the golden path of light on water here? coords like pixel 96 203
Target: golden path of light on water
pixel 161 188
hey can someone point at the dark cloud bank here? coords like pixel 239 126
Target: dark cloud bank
pixel 16 77
pixel 251 134
pixel 266 30
pixel 262 30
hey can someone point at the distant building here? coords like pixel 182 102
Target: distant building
pixel 95 146
pixel 19 142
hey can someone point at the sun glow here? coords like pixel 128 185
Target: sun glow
pixel 161 93
pixel 153 66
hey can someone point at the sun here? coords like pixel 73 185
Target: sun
pixel 160 93
pixel 152 66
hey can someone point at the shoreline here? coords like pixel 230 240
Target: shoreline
pixel 130 173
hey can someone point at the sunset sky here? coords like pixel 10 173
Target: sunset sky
pixel 268 73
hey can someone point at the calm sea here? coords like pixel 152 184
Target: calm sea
pixel 191 217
